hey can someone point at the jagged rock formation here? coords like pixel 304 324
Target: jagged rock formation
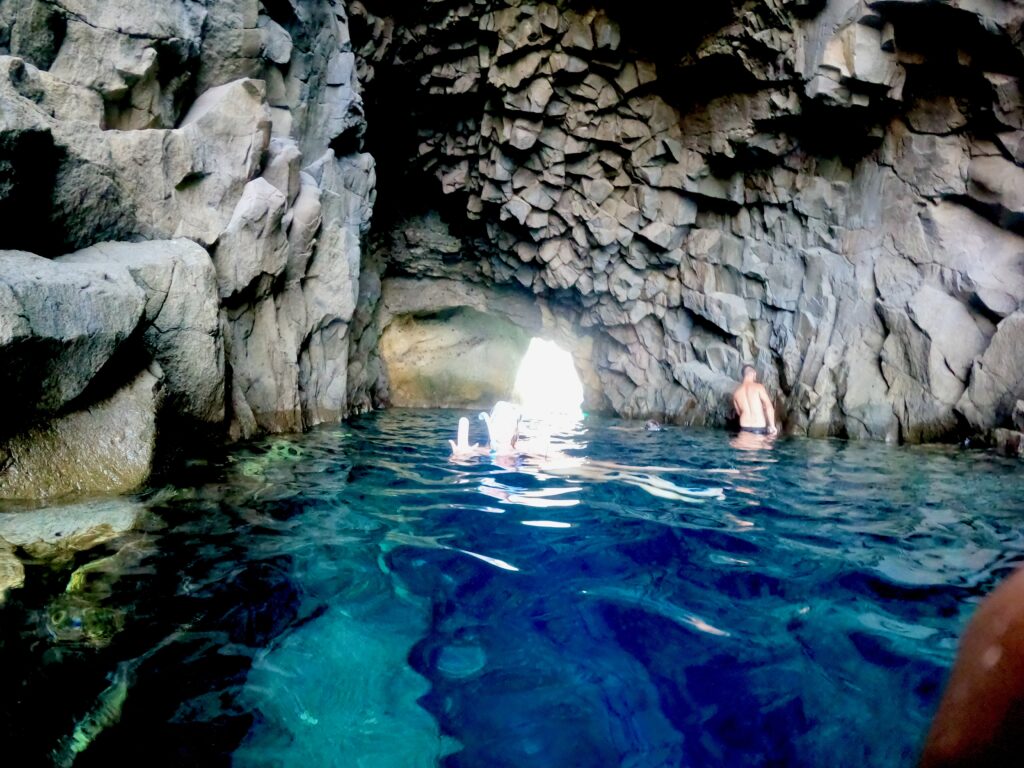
pixel 829 189
pixel 833 189
pixel 202 161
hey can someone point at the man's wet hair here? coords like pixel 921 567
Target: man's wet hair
pixel 745 368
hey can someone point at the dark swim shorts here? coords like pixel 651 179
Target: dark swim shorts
pixel 755 430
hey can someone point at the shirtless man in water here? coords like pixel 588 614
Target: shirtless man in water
pixel 755 409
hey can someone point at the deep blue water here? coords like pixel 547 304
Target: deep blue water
pixel 351 597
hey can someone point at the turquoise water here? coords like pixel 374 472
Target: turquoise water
pixel 352 597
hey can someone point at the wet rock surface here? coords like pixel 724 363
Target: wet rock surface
pixel 105 448
pixel 69 528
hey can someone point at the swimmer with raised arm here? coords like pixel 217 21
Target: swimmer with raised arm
pixel 502 429
pixel 461 446
pixel 505 447
pixel 752 404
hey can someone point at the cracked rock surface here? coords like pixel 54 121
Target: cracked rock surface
pixel 830 190
pixel 183 192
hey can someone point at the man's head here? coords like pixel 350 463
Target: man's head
pixel 749 373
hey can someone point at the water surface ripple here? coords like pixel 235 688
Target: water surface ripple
pixel 352 597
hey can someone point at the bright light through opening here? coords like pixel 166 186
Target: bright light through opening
pixel 547 385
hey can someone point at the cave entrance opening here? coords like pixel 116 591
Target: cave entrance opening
pixel 548 387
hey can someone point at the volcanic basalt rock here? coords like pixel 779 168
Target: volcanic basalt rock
pixel 829 190
pixel 202 161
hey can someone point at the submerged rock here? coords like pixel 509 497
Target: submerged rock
pixel 12 572
pixel 1009 441
pixel 77 620
pixel 69 528
pixel 105 713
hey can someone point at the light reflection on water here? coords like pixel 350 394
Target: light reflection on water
pixel 353 597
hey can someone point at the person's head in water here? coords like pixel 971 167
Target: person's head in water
pixel 748 373
pixel 652 426
pixel 502 426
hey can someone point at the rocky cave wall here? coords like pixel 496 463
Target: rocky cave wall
pixel 831 190
pixel 183 200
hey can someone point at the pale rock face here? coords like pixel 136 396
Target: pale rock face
pixel 181 325
pixel 466 359
pixel 70 527
pixel 59 98
pixel 997 378
pixel 288 346
pixel 77 326
pixel 59 325
pixel 152 183
pixel 148 139
pixel 254 245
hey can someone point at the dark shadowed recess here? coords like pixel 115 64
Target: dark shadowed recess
pixel 399 114
pixel 941 31
pixel 28 166
pixel 648 29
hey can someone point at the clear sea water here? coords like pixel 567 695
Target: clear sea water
pixel 351 597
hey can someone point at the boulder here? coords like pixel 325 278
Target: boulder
pixel 181 324
pixel 60 324
pixel 276 43
pixel 998 184
pixel 254 247
pixel 181 19
pixel 118 185
pixel 106 448
pixel 231 45
pixel 62 99
pixel 997 378
pixel 1009 442
pixel 984 258
pixel 30 29
pixel 12 572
